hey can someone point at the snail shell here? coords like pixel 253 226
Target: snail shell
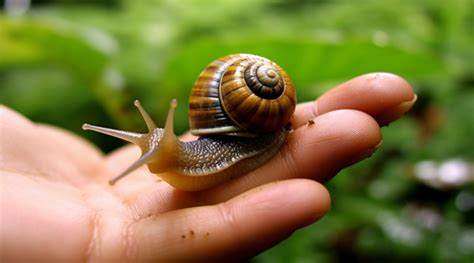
pixel 241 94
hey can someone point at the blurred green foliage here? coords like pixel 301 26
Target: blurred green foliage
pixel 68 62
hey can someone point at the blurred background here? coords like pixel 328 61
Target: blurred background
pixel 67 62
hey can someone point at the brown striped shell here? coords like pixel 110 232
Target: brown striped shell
pixel 241 94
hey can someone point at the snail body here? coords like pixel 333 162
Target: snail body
pixel 240 106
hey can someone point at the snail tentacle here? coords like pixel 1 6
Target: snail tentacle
pixel 146 157
pixel 150 124
pixel 128 136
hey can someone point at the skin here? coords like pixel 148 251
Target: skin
pixel 56 203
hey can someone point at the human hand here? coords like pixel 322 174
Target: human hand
pixel 56 203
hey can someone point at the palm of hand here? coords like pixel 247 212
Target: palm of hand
pixel 56 203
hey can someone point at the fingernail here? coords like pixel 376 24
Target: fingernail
pixel 394 113
pixel 366 153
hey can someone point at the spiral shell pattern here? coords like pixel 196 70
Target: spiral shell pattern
pixel 241 94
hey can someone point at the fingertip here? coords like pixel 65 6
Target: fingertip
pixel 393 88
pixel 396 112
pixel 403 88
pixel 399 93
pixel 363 133
pixel 335 140
pixel 384 96
pixel 356 126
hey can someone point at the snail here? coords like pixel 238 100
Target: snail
pixel 240 107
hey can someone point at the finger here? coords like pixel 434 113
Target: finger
pixel 384 96
pixel 318 151
pixel 233 230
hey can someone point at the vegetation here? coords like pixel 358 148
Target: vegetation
pixel 65 62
